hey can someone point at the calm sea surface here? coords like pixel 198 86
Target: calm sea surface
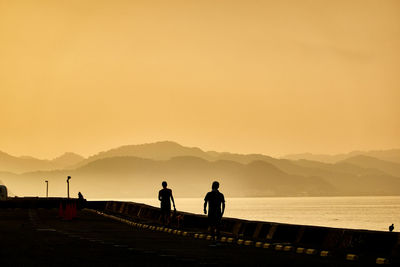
pixel 373 213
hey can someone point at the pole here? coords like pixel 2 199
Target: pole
pixel 47 188
pixel 69 177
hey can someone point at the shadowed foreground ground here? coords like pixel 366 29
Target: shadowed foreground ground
pixel 36 237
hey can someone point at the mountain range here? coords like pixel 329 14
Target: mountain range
pixel 26 163
pixel 392 155
pixel 137 171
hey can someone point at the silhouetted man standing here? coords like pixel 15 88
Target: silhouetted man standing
pixel 391 228
pixel 215 200
pixel 165 196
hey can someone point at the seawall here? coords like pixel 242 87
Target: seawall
pixel 333 241
pixel 329 242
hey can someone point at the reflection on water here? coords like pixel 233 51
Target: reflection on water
pixel 373 213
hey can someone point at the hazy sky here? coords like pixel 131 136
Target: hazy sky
pixel 271 77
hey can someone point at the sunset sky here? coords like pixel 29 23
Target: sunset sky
pixel 272 77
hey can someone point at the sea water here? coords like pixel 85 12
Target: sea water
pixel 371 213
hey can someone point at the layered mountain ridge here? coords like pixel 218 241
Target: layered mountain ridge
pixel 137 171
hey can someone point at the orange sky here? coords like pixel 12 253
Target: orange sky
pixel 271 77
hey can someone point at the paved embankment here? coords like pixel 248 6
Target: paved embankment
pixel 37 237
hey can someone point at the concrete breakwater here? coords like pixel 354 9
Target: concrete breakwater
pixel 374 246
pixel 346 244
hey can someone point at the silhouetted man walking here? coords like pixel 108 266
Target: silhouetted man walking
pixel 165 196
pixel 215 200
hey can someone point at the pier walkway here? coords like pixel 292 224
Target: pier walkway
pixel 37 237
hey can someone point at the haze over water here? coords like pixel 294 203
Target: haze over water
pixel 371 213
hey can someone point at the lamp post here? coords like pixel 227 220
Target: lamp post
pixel 68 178
pixel 47 188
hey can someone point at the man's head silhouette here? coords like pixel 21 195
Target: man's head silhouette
pixel 215 185
pixel 164 184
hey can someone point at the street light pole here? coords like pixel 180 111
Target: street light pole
pixel 68 178
pixel 47 188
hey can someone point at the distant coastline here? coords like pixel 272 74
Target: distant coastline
pixel 137 170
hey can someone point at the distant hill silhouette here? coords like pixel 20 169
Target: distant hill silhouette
pixel 157 151
pixel 67 160
pixel 374 163
pixel 392 155
pixel 130 177
pixel 22 164
pixel 137 170
pixel 166 150
pixel 189 176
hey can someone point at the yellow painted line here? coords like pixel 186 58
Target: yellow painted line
pixel 300 250
pixel 311 251
pixel 324 253
pixel 382 261
pixel 229 240
pixel 240 241
pixel 351 257
pixel 248 243
pixel 287 248
pixel 266 245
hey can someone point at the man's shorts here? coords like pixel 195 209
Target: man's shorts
pixel 214 219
